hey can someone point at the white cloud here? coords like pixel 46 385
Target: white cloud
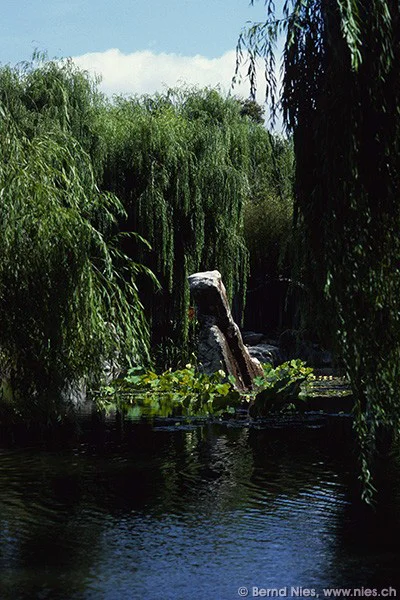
pixel 146 72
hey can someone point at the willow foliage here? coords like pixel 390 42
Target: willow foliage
pixel 68 298
pixel 341 88
pixel 43 95
pixel 182 163
pixel 268 218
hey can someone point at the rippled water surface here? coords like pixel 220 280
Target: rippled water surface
pixel 192 512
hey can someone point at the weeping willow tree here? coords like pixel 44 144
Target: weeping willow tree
pixel 182 164
pixel 42 95
pixel 340 96
pixel 68 295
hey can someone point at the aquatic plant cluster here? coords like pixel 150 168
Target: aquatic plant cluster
pixel 189 392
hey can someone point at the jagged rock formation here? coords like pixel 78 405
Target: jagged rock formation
pixel 220 341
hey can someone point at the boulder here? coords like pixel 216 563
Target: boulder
pixel 266 353
pixel 220 344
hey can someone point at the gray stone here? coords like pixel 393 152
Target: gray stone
pixel 266 353
pixel 251 338
pixel 220 341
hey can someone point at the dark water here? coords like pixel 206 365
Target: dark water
pixel 192 512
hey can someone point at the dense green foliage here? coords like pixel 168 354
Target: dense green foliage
pixel 268 216
pixel 185 163
pixel 268 231
pixel 283 387
pixel 78 174
pixel 68 299
pixel 340 98
pixel 188 392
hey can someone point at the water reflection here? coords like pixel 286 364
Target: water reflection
pixel 190 512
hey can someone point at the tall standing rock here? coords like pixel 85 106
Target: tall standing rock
pixel 220 341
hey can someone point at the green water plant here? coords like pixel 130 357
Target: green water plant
pixel 189 392
pixel 280 387
pixel 184 392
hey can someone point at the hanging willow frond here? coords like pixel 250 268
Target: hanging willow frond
pixel 182 162
pixel 68 300
pixel 341 92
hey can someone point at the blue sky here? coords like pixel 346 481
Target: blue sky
pixel 136 46
pixel 69 28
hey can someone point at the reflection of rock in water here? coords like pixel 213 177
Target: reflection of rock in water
pixel 220 340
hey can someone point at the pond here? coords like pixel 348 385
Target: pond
pixel 175 510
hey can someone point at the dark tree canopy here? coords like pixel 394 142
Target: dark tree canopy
pixel 252 109
pixel 340 98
